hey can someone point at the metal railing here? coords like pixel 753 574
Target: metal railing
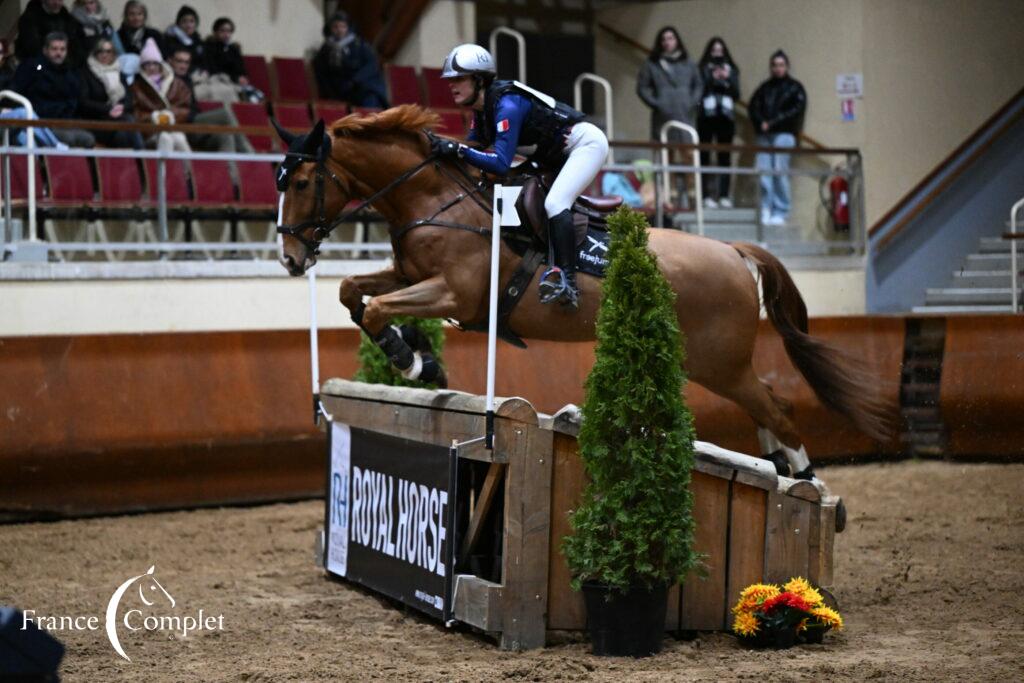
pixel 30 143
pixel 609 124
pixel 697 185
pixel 520 42
pixel 1014 271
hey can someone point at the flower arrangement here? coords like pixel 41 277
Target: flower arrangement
pixel 767 614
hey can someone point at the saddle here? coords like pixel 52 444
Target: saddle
pixel 589 213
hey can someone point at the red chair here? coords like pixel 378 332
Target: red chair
pixel 120 183
pixel 403 85
pixel 208 105
pixel 211 183
pixel 19 178
pixel 438 94
pixel 453 123
pixel 294 116
pixel 258 73
pixel 249 114
pixel 292 80
pixel 176 182
pixel 70 181
pixel 329 111
pixel 257 187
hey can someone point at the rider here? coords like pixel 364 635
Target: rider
pixel 508 116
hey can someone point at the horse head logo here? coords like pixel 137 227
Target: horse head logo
pixel 148 588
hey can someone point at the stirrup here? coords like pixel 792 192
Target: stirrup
pixel 560 289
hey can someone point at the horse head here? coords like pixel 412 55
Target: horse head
pixel 311 195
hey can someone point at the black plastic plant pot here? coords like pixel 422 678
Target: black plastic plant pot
pixel 629 624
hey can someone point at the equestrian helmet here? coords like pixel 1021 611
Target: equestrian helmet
pixel 468 60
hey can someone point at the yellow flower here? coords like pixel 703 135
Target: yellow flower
pixel 753 595
pixel 828 617
pixel 805 590
pixel 745 624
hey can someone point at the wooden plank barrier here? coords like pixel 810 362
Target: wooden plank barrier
pixel 752 524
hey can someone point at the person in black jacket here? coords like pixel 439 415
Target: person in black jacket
pixel 777 111
pixel 184 34
pixel 41 18
pixel 716 119
pixel 53 88
pixel 105 96
pixel 6 66
pixel 346 67
pixel 134 32
pixel 222 56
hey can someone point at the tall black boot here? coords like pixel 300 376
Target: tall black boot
pixel 559 282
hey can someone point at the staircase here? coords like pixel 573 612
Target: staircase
pixel 737 225
pixel 980 285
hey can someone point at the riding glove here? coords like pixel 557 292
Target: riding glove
pixel 445 148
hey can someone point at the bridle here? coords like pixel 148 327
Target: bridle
pixel 322 228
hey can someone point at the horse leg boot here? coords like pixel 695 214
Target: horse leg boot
pixel 773 450
pixel 562 235
pixel 408 350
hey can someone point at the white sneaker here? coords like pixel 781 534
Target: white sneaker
pixel 710 203
pixel 766 217
pixel 776 219
pixel 725 203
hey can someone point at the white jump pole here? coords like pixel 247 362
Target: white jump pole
pixel 492 315
pixel 314 348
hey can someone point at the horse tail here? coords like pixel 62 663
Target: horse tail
pixel 841 384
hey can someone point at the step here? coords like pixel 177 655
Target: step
pixel 943 310
pixel 981 278
pixel 967 296
pixel 987 262
pixel 990 245
pixel 735 215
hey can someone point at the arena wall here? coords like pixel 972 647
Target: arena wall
pixel 933 70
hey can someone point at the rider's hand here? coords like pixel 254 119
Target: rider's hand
pixel 443 147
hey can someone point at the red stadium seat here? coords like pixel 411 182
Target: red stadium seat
pixel 208 105
pixel 258 73
pixel 19 178
pixel 438 94
pixel 211 182
pixel 120 183
pixel 292 79
pixel 453 123
pixel 294 116
pixel 329 111
pixel 249 114
pixel 70 180
pixel 256 186
pixel 176 182
pixel 403 85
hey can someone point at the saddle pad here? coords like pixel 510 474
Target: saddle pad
pixel 592 254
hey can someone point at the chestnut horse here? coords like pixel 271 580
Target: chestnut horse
pixel 439 226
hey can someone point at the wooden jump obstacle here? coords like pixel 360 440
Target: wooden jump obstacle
pixel 751 524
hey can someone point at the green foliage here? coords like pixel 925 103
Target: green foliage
pixel 634 525
pixel 374 366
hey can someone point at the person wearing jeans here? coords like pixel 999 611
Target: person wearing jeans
pixel 776 111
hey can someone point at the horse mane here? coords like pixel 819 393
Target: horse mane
pixel 405 118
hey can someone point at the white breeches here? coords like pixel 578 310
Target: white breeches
pixel 587 148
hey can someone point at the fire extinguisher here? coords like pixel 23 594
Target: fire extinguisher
pixel 837 201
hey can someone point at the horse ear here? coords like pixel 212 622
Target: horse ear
pixel 286 137
pixel 314 140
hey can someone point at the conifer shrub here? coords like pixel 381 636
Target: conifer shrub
pixel 634 526
pixel 374 366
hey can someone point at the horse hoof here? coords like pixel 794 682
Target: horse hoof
pixel 840 516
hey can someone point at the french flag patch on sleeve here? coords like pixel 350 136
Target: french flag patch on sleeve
pixel 502 125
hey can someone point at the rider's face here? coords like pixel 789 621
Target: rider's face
pixel 462 89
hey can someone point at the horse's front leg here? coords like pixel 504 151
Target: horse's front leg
pixel 355 287
pixel 430 298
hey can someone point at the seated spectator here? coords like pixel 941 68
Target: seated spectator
pixel 184 34
pixel 716 120
pixel 133 32
pixel 223 56
pixel 181 61
pixel 6 66
pixel 346 68
pixel 777 111
pixel 53 88
pixel 105 96
pixel 161 97
pixel 40 19
pixel 94 21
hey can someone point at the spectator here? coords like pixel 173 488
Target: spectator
pixel 53 88
pixel 669 83
pixel 716 121
pixel 222 116
pixel 6 66
pixel 223 56
pixel 105 96
pixel 133 32
pixel 92 16
pixel 184 34
pixel 40 19
pixel 777 110
pixel 161 97
pixel 346 67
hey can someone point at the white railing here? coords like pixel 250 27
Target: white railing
pixel 665 185
pixel 609 123
pixel 30 143
pixel 1014 271
pixel 520 42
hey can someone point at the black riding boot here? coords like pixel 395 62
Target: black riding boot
pixel 559 282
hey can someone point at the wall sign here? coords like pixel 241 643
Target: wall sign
pixel 849 86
